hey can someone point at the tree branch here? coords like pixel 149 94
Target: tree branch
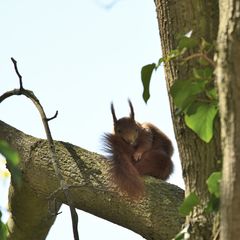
pixel 154 217
pixel 54 159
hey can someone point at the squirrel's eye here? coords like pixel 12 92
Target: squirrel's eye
pixel 119 130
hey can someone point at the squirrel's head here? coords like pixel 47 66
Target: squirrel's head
pixel 127 128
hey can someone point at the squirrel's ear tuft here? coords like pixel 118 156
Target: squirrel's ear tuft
pixel 113 113
pixel 131 108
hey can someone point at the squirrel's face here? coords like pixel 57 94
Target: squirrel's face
pixel 127 129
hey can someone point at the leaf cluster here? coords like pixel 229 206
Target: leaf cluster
pixel 192 200
pixel 195 97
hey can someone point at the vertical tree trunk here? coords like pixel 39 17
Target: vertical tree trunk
pixel 228 73
pixel 198 159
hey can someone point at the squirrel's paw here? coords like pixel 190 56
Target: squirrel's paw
pixel 137 156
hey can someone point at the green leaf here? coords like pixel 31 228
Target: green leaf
pixel 212 93
pixel 213 204
pixel 213 183
pixel 187 42
pixel 201 121
pixel 184 92
pixel 10 155
pixel 203 73
pixel 146 74
pixel 3 229
pixel 189 202
pixel 13 159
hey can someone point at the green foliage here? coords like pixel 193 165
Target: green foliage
pixel 12 158
pixel 213 204
pixel 201 120
pixel 213 183
pixel 196 97
pixel 186 42
pixel 197 100
pixel 188 204
pixel 146 75
pixel 3 229
pixel 185 93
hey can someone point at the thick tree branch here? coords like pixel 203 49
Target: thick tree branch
pixel 154 217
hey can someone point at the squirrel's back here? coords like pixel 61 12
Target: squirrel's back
pixel 160 139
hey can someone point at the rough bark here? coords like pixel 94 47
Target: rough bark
pixel 198 159
pixel 154 217
pixel 228 73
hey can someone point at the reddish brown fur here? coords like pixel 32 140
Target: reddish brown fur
pixel 136 150
pixel 123 172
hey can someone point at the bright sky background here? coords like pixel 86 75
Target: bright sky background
pixel 78 56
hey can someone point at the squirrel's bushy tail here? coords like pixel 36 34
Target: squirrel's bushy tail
pixel 122 171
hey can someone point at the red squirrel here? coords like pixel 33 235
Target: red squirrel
pixel 137 150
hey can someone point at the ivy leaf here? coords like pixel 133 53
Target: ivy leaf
pixel 213 183
pixel 212 93
pixel 201 121
pixel 213 204
pixel 146 74
pixel 184 92
pixel 13 159
pixel 189 202
pixel 187 42
pixel 203 73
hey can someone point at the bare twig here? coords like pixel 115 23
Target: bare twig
pixel 29 94
pixel 200 55
pixel 17 72
pixel 51 118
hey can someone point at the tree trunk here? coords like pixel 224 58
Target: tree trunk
pixel 228 73
pixel 198 159
pixel 154 217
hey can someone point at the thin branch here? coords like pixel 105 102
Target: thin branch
pixel 51 118
pixel 200 55
pixel 17 72
pixel 29 94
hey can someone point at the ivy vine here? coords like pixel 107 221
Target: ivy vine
pixel 194 97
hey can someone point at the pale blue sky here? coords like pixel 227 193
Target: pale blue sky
pixel 77 57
